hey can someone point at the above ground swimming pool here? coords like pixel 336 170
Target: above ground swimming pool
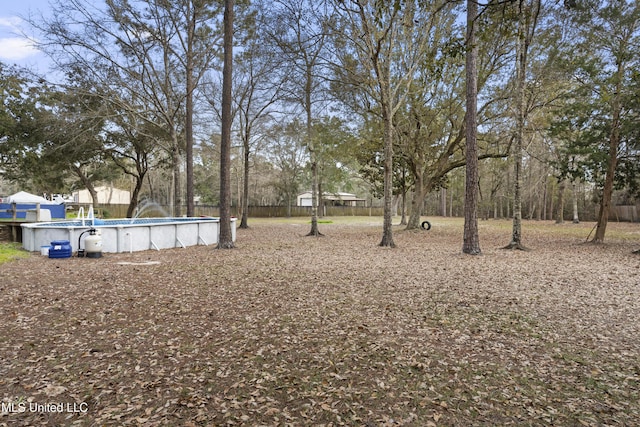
pixel 127 235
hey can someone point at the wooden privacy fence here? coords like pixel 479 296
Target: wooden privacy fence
pixel 120 211
pixel 628 213
pixel 625 213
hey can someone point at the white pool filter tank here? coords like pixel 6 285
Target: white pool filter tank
pixel 93 244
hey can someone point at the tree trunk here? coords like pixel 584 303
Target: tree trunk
pixel 387 230
pixel 576 217
pixel 177 182
pixel 451 204
pixel 244 222
pixel 471 239
pixel 416 203
pixel 313 158
pixel 403 218
pixel 605 204
pixel 320 199
pixel 614 142
pixel 607 191
pixel 521 64
pixel 516 231
pixel 189 158
pixel 551 204
pixel 225 238
pixel 135 195
pixel 560 213
pixel 87 184
pixel 403 209
pixel 542 200
pixel 314 196
pixel 189 111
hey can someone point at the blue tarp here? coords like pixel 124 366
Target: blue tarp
pixel 57 211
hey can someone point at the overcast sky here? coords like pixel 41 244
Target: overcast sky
pixel 15 48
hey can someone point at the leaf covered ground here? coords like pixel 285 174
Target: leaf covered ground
pixel 294 330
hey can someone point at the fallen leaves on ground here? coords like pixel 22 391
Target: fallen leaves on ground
pixel 294 330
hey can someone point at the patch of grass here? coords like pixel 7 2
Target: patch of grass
pixel 10 252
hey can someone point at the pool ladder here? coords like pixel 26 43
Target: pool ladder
pixel 90 215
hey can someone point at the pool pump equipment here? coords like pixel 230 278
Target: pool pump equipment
pixel 92 244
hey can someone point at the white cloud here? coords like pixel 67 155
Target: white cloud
pixel 16 48
pixel 13 45
pixel 12 23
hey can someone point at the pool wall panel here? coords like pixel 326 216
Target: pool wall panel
pixel 208 233
pixel 187 234
pixel 162 236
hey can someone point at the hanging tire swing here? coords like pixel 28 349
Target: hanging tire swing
pixel 426 225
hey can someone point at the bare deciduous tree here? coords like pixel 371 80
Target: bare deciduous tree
pixel 383 54
pixel 528 13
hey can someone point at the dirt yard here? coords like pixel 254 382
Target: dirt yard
pixel 302 331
